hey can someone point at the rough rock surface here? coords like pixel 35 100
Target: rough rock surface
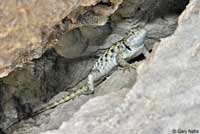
pixel 25 24
pixel 34 83
pixel 165 96
pixel 53 77
pixel 118 80
pixel 21 25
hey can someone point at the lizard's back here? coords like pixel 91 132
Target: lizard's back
pixel 129 47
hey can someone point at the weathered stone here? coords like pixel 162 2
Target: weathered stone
pixel 21 25
pixel 118 80
pixel 165 96
pixel 36 82
pixel 24 23
pixel 82 42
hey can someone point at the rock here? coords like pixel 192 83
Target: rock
pixel 26 30
pixel 36 82
pixel 2 132
pixel 21 28
pixel 115 83
pixel 84 41
pixel 165 96
pixel 80 41
pixel 67 110
pixel 28 26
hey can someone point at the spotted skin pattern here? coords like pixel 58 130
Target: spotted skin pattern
pixel 127 48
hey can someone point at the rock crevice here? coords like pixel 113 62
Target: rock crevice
pixel 72 36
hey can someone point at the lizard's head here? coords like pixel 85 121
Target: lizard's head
pixel 136 36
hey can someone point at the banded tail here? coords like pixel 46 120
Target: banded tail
pixel 80 91
pixel 77 93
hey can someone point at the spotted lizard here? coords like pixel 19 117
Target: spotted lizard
pixel 118 54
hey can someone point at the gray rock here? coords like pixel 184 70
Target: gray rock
pixel 112 106
pixel 165 96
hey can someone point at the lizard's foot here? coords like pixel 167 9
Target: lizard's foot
pixel 86 90
pixel 124 64
pixel 89 92
pixel 128 67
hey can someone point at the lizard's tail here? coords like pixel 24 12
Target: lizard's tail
pixel 77 93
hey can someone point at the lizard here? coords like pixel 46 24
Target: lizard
pixel 118 54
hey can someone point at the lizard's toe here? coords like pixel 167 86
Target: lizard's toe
pixel 128 67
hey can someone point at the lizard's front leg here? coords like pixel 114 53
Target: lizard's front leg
pixel 90 83
pixel 123 63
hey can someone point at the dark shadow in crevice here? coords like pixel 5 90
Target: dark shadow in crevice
pixel 150 10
